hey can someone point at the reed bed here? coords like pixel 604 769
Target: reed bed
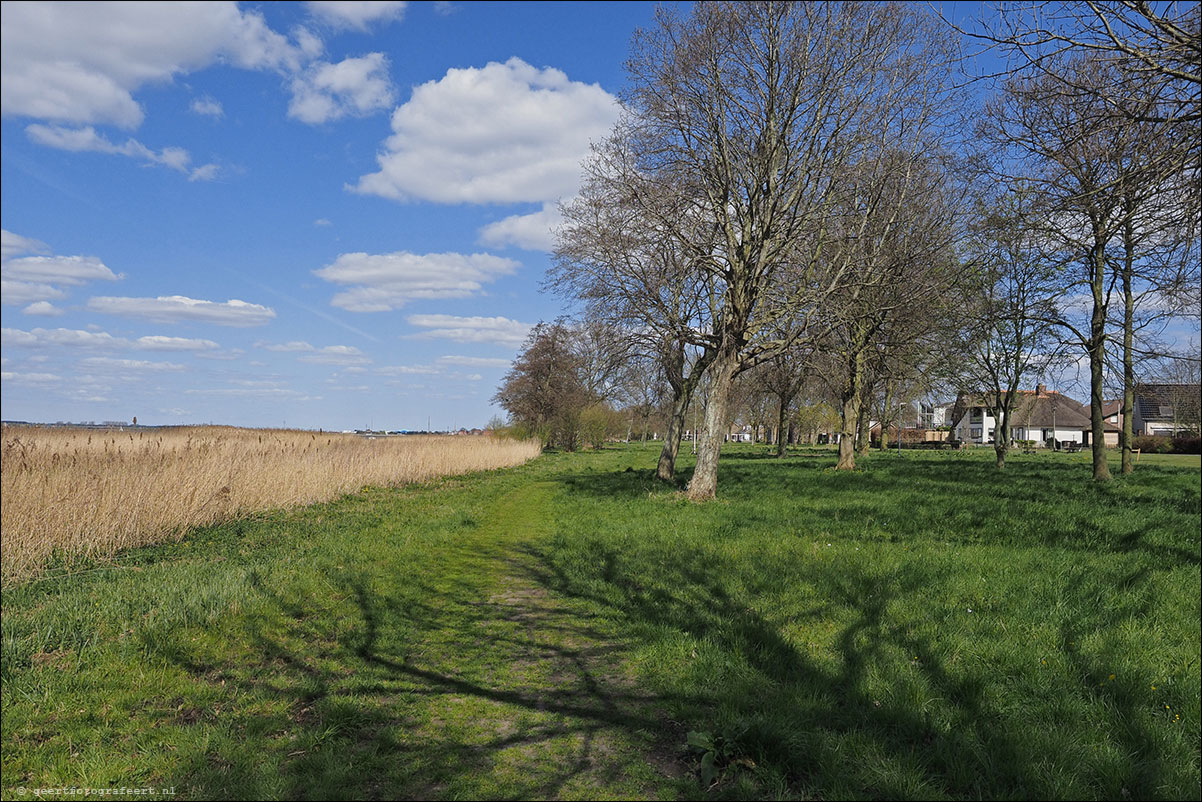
pixel 69 494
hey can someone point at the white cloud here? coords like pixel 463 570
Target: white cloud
pixel 294 346
pixel 178 309
pixel 106 362
pixel 208 107
pixel 33 278
pixel 407 370
pixel 81 62
pixel 336 355
pixel 38 338
pixel 475 361
pixel 13 244
pixel 77 338
pixel 353 86
pixel 86 139
pixel 23 292
pixel 34 379
pixel 356 14
pixel 499 330
pixel 533 232
pixel 504 133
pixel 388 281
pixel 158 342
pixel 321 221
pixel 72 270
pixel 260 392
pixel 43 308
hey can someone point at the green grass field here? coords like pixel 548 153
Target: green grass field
pixel 920 628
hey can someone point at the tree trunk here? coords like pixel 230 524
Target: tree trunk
pixel 863 428
pixel 704 484
pixel 1001 441
pixel 666 470
pixel 885 417
pixel 850 414
pixel 1125 436
pixel 781 436
pixel 1097 358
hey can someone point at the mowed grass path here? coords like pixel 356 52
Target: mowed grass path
pixel 921 628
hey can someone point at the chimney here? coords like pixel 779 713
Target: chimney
pixel 1041 389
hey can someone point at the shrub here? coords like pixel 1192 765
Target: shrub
pixel 1187 444
pixel 1152 444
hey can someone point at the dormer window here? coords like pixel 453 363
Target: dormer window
pixel 1166 411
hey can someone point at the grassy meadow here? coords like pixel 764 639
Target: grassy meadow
pixel 71 494
pixel 921 628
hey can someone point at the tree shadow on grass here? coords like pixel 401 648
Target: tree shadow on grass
pixel 887 715
pixel 929 498
pixel 513 696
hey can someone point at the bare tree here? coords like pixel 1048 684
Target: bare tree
pixel 1155 50
pixel 1008 334
pixel 756 111
pixel 627 250
pixel 1100 185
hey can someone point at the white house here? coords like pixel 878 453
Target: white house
pixel 1165 409
pixel 1039 416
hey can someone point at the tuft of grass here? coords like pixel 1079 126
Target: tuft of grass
pixel 923 628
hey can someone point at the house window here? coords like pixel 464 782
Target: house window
pixel 1166 412
pixel 976 416
pixel 975 433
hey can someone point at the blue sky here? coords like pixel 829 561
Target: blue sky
pixel 324 215
pixel 329 215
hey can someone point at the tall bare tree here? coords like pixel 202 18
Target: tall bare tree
pixel 1008 331
pixel 756 111
pixel 1085 162
pixel 628 250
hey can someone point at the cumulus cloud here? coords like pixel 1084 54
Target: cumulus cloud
pixel 32 279
pixel 504 133
pixel 179 309
pixel 81 62
pixel 72 270
pixel 87 139
pixel 106 362
pixel 77 338
pixel 31 378
pixel 13 244
pixel 158 342
pixel 499 330
pixel 336 355
pixel 381 282
pixel 407 370
pixel 74 338
pixel 43 308
pixel 290 347
pixel 533 232
pixel 475 361
pixel 16 293
pixel 352 87
pixel 355 14
pixel 207 107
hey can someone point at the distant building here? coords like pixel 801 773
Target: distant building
pixel 1165 409
pixel 1039 416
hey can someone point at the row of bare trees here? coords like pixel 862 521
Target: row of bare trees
pixel 795 195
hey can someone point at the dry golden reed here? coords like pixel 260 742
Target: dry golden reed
pixel 69 493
